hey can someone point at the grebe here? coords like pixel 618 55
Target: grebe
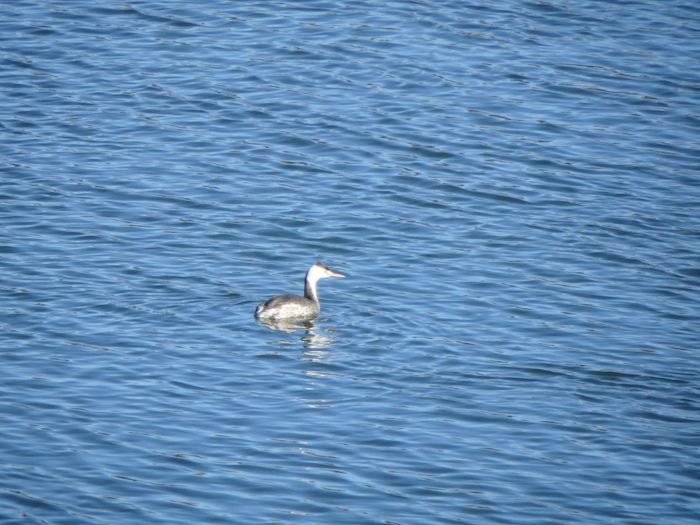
pixel 295 307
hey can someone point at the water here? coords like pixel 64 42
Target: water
pixel 511 187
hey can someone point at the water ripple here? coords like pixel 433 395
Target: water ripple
pixel 511 191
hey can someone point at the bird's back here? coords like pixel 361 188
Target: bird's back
pixel 287 307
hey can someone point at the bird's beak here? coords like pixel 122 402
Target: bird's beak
pixel 332 273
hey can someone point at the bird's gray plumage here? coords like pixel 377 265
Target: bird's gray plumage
pixel 295 307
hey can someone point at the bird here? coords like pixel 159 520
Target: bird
pixel 295 308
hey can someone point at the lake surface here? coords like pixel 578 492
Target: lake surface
pixel 512 188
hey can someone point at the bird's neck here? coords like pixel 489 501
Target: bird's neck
pixel 310 289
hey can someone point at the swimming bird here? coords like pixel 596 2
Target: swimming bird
pixel 294 307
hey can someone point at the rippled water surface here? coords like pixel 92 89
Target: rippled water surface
pixel 511 187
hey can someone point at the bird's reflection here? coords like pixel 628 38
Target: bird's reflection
pixel 311 337
pixel 316 356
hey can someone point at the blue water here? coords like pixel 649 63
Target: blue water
pixel 513 189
